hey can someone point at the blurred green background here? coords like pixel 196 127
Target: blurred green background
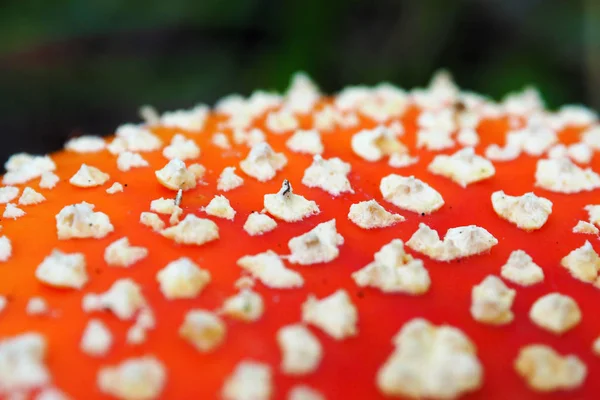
pixel 73 66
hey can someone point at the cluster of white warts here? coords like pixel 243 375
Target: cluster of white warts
pixel 442 125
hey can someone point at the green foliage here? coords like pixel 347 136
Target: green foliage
pixel 87 65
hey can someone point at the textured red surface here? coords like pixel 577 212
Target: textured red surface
pixel 349 367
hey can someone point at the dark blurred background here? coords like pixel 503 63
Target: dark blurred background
pixel 69 67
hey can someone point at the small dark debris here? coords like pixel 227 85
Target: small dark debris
pixel 422 214
pixel 360 294
pixel 287 188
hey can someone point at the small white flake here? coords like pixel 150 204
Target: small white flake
pixel 128 160
pixel 145 321
pixel 459 242
pixel 182 279
pixel 585 228
pixel 528 211
pixel 394 271
pixel 80 221
pixel 259 224
pixel 181 148
pixel 115 188
pixel 302 94
pixel 334 314
pixel 370 214
pixel 164 206
pixel 12 211
pixel 141 378
pixel 152 220
pixel 22 359
pixel 593 213
pixel 380 103
pixel 250 380
pixel 467 137
pixel 331 175
pixel 308 142
pixel 507 153
pixel 596 346
pixel 491 301
pixel 86 144
pixel 319 245
pixel 521 269
pixel 8 194
pixel 88 176
pixel 229 180
pixel 124 299
pixel 48 180
pixel 396 127
pixel 288 206
pixel 271 271
pixel 303 392
pixel 402 160
pixel 5 248
pixel 435 129
pixel 50 393
pixel 523 103
pixel 328 118
pixel 121 253
pixel 301 350
pixel 555 313
pixel 220 207
pixel 134 138
pixel 430 362
pixel 580 153
pixel 192 119
pixel 37 306
pixel 63 270
pixel 149 114
pixel 463 167
pixel 136 335
pixel 583 263
pixel 244 282
pixel 410 193
pixel 250 137
pixel 96 339
pixel 23 167
pixel 591 137
pixel 247 306
pixel 374 144
pixel 192 230
pixel 576 115
pixel 281 121
pixel 558 151
pixel 545 370
pixel 434 140
pixel 534 139
pixel 258 103
pixel 203 329
pixel 262 163
pixel 562 176
pixel 198 170
pixel 30 197
pixel 221 140
pixel 175 175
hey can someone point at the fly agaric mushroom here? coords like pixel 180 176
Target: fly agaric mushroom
pixel 217 331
